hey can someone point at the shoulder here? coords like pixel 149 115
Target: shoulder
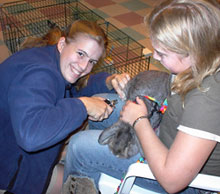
pixel 37 64
pixel 208 92
pixel 46 54
pixel 31 55
pixel 212 84
pixel 42 58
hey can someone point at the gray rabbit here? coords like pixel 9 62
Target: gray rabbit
pixel 121 137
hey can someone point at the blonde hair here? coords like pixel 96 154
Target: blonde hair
pixel 189 28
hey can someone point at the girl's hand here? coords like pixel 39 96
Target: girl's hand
pixel 97 109
pixel 118 82
pixel 131 111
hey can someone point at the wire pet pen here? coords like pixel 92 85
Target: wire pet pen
pixel 25 18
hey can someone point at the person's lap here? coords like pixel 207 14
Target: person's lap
pixel 86 157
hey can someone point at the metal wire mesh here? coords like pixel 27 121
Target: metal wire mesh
pixel 22 19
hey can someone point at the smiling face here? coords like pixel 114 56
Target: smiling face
pixel 77 58
pixel 174 62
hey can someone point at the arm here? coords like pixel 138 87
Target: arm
pixel 39 114
pixel 96 108
pixel 104 83
pixel 168 165
pixel 96 84
pixel 184 159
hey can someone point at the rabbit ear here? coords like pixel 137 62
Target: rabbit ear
pixel 108 133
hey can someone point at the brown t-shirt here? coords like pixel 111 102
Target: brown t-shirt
pixel 200 117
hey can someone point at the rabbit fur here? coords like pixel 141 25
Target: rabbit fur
pixel 121 137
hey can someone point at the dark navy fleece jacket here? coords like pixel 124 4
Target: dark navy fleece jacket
pixel 35 117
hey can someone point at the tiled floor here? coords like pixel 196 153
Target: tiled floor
pixel 127 15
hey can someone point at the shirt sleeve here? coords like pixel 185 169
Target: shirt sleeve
pixel 201 112
pixel 39 114
pixel 96 84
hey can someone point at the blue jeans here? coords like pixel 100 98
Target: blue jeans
pixel 86 157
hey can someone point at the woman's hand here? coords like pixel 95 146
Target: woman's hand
pixel 97 109
pixel 131 111
pixel 118 82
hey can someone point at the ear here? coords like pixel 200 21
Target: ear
pixel 61 43
pixel 108 133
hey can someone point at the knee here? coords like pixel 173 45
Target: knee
pixel 74 144
pixel 79 144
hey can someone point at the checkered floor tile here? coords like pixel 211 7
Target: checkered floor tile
pixel 126 15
